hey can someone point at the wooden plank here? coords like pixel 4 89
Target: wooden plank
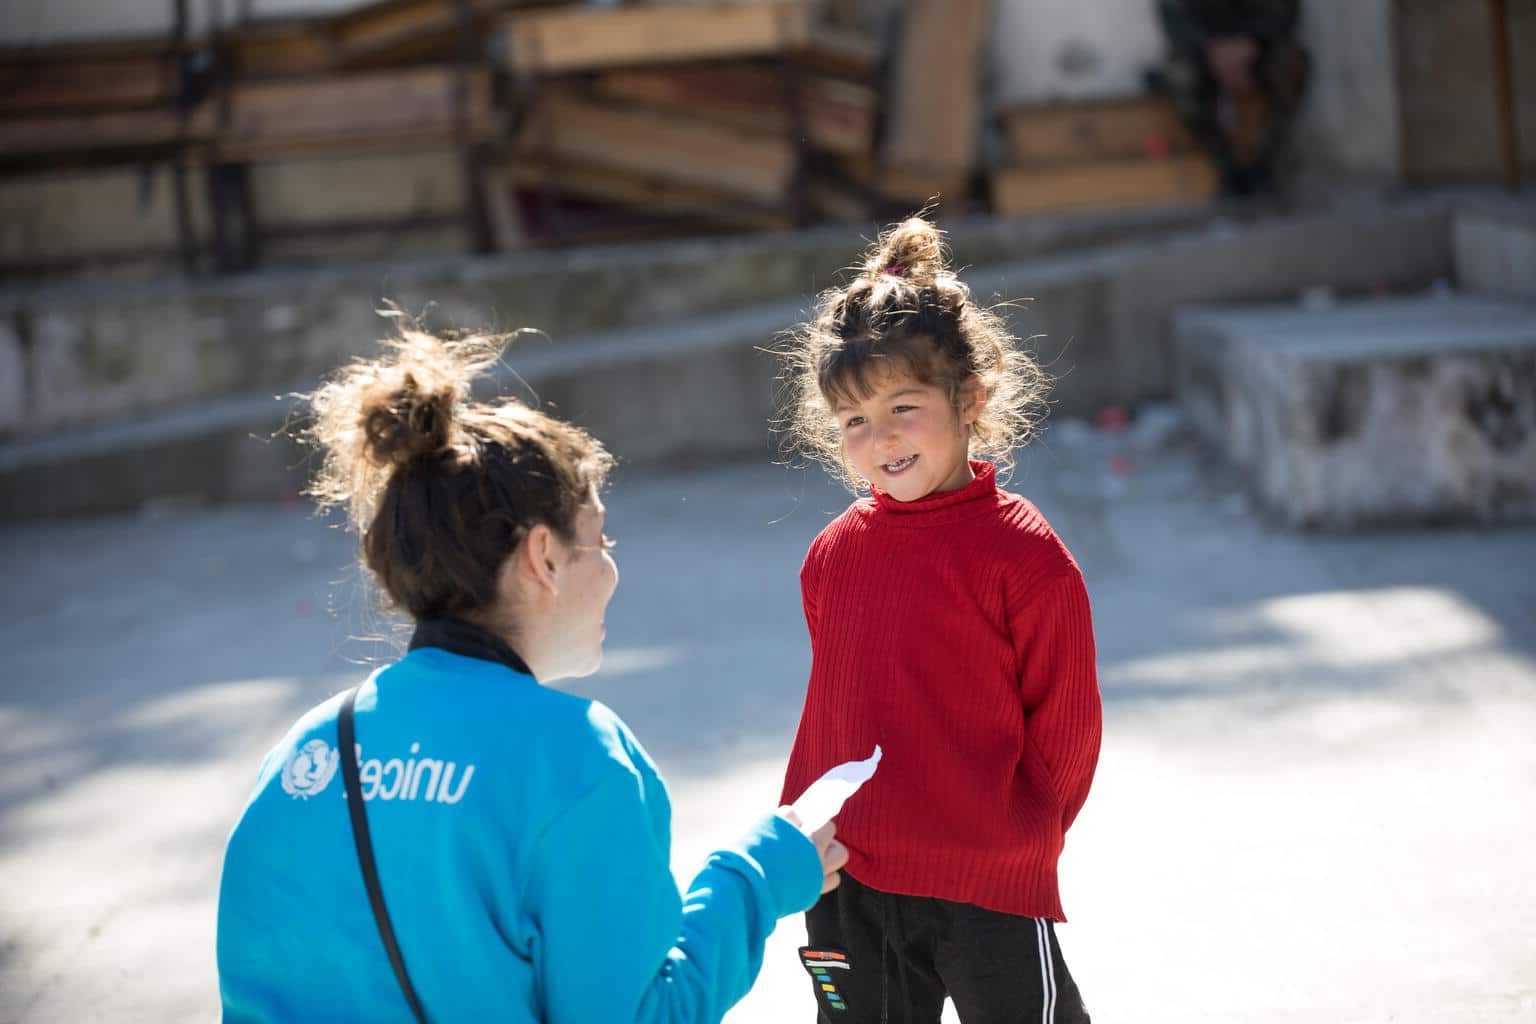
pixel 1179 179
pixel 394 18
pixel 934 109
pixel 1122 129
pixel 60 83
pixel 390 33
pixel 278 49
pixel 839 115
pixel 652 195
pixel 340 187
pixel 363 241
pixel 1522 46
pixel 660 146
pixel 405 30
pixel 580 39
pixel 98 136
pixel 62 218
pixel 1445 91
pixel 918 186
pixel 346 110
pixel 839 51
pixel 837 201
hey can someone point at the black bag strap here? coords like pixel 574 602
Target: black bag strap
pixel 347 737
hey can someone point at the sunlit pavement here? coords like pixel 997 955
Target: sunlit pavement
pixel 1314 803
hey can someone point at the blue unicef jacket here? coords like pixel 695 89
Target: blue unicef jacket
pixel 522 837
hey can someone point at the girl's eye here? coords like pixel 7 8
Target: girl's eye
pixel 854 422
pixel 904 408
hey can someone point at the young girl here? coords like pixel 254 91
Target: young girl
pixel 951 626
pixel 490 849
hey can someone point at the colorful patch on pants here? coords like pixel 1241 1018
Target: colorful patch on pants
pixel 828 969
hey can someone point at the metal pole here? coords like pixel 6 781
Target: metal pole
pixel 184 232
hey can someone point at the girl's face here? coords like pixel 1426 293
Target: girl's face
pixel 906 438
pixel 586 580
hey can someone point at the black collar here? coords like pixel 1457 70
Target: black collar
pixel 457 636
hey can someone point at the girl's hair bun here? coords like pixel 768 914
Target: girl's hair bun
pixel 912 251
pixel 907 310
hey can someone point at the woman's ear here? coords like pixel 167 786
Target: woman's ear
pixel 537 557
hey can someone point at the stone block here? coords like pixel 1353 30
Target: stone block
pixel 1497 255
pixel 13 381
pixel 1406 411
pixel 1393 249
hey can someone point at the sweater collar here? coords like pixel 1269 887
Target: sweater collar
pixel 944 505
pixel 456 636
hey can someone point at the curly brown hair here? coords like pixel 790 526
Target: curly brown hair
pixel 906 310
pixel 442 488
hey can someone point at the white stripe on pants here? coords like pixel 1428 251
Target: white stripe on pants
pixel 1047 974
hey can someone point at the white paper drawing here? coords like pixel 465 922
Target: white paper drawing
pixel 820 803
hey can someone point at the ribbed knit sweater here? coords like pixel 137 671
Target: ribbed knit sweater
pixel 955 632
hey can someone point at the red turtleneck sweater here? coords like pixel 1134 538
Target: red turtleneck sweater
pixel 955 632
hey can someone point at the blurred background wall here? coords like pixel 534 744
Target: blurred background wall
pixel 193 222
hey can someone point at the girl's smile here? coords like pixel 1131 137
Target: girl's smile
pixel 906 437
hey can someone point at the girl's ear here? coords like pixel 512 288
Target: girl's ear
pixel 973 399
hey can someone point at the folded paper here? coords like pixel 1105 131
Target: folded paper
pixel 820 803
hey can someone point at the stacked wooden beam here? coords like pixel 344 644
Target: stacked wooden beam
pixel 432 125
pixel 1122 152
pixel 90 136
pixel 931 145
pixel 390 106
pixel 373 162
pixel 733 114
pixel 388 33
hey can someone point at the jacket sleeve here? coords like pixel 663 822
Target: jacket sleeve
pixel 1059 684
pixel 617 943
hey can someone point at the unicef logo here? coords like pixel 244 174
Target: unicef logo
pixel 309 769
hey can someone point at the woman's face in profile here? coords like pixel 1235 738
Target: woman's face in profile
pixel 586 584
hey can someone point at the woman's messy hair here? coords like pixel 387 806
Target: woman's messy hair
pixel 906 310
pixel 442 488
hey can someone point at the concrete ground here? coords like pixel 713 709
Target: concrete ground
pixel 1314 802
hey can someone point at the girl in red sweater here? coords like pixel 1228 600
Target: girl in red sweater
pixel 950 625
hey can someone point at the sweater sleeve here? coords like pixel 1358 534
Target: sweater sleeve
pixel 616 941
pixel 808 594
pixel 1060 687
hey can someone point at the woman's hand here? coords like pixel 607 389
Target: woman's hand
pixel 833 854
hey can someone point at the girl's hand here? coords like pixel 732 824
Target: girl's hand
pixel 833 854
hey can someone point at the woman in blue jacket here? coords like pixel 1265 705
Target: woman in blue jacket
pixel 520 835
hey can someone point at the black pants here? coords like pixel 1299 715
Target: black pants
pixel 877 957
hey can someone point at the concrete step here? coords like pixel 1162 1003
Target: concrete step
pixel 113 403
pixel 72 356
pixel 699 390
pixel 1384 412
pixel 1496 251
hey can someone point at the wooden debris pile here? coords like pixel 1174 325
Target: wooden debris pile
pixel 411 127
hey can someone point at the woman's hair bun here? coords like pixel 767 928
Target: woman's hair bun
pixel 409 421
pixel 374 416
